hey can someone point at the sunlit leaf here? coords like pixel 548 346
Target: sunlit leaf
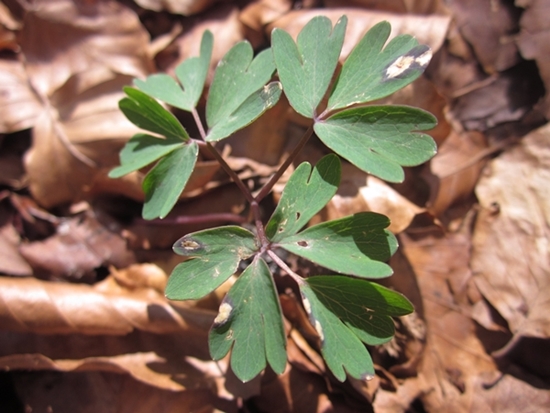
pixel 141 150
pixel 306 67
pixel 380 139
pixel 249 111
pixel 368 306
pixel 249 321
pixel 216 255
pixel 191 73
pixel 238 77
pixel 146 113
pixel 355 245
pixel 342 350
pixel 372 72
pixel 305 194
pixel 165 182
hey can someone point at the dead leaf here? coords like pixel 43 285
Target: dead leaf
pixel 30 305
pixel 534 42
pixel 98 40
pixel 79 247
pixel 11 262
pixel 184 7
pixel 430 30
pixel 511 253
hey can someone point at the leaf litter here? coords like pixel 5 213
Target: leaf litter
pixel 473 230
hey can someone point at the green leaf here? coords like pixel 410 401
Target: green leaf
pixel 305 194
pixel 365 307
pixel 141 150
pixel 370 73
pixel 306 67
pixel 165 182
pixel 341 348
pixel 380 139
pixel 191 73
pixel 249 111
pixel 216 255
pixel 250 320
pixel 237 77
pixel 146 113
pixel 355 245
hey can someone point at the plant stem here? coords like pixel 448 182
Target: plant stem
pixel 273 180
pixel 299 280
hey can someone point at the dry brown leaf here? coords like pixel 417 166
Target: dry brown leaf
pixel 454 357
pixel 260 13
pixel 184 7
pixel 534 42
pixel 79 247
pixel 394 6
pixel 97 40
pixel 455 169
pixel 430 30
pixel 11 262
pixel 489 27
pixel 73 141
pixel 19 105
pixel 511 255
pixel 30 305
pixel 360 192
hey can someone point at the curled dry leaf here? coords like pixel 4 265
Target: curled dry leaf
pixel 534 42
pixel 11 262
pixel 489 28
pixel 360 192
pixel 98 39
pixel 455 169
pixel 430 30
pixel 184 7
pixel 19 105
pixel 511 251
pixel 30 305
pixel 398 6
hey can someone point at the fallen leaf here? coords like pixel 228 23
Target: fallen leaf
pixel 511 253
pixel 11 262
pixel 184 7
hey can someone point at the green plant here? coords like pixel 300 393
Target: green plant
pixel 347 311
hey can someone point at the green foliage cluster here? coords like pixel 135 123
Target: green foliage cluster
pixel 347 311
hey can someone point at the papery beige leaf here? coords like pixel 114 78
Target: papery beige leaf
pixel 259 13
pixel 184 7
pixel 74 140
pixel 94 40
pixel 11 262
pixel 223 21
pixel 18 104
pixel 393 6
pixel 511 254
pixel 30 305
pixel 360 192
pixel 489 28
pixel 534 42
pixel 455 169
pixel 430 30
pixel 454 357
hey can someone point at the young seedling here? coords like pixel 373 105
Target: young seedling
pixel 347 311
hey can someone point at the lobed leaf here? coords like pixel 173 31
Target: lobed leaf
pixel 371 72
pixel 365 307
pixel 305 194
pixel 354 245
pixel 191 74
pixel 141 150
pixel 146 113
pixel 216 255
pixel 341 348
pixel 164 184
pixel 249 320
pixel 237 77
pixel 306 67
pixel 380 139
pixel 250 110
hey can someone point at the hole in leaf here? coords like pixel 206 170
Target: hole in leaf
pixel 297 216
pixel 302 243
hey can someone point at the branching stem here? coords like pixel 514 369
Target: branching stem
pixel 299 280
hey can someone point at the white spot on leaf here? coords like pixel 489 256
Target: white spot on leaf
pixel 307 305
pixel 319 330
pixel 223 314
pixel 407 62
